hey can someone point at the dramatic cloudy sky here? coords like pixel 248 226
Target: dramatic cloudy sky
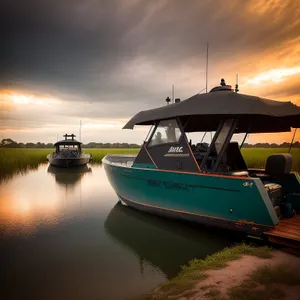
pixel 103 61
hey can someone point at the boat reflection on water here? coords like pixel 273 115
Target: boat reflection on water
pixel 69 177
pixel 166 244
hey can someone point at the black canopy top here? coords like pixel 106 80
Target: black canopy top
pixel 203 112
pixel 67 141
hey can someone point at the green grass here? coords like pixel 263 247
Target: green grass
pixel 256 157
pixel 195 270
pixel 20 160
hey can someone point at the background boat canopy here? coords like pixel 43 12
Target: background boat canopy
pixel 202 112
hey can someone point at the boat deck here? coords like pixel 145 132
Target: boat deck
pixel 287 232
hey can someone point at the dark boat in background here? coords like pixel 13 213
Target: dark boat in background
pixel 68 153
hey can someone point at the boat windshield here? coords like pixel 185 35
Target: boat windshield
pixel 68 148
pixel 166 132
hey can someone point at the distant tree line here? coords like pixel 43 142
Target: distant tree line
pixel 273 145
pixel 9 143
pixel 110 145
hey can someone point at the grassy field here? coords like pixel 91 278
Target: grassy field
pixel 256 157
pixel 19 160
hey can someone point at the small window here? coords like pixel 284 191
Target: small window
pixel 167 132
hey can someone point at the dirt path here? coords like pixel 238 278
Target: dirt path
pixel 238 271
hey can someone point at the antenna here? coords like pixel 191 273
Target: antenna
pixel 291 145
pixel 172 93
pixel 237 83
pixel 206 66
pixel 80 131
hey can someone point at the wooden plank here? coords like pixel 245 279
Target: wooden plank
pixel 291 220
pixel 285 228
pixel 289 225
pixel 288 230
pixel 285 242
pixel 284 235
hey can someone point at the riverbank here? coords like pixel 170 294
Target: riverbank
pixel 18 160
pixel 242 272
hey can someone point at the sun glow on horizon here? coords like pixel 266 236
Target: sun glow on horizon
pixel 30 99
pixel 274 75
pixel 15 98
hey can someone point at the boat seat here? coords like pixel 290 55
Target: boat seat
pixel 278 164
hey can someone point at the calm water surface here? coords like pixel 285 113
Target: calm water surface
pixel 64 236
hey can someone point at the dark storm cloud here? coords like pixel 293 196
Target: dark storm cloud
pixel 63 44
pixel 81 49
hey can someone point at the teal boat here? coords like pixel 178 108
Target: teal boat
pixel 211 184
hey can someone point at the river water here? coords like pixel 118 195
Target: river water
pixel 64 236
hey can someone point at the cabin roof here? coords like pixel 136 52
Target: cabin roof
pixel 67 142
pixel 202 112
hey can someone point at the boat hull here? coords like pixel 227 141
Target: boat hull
pixel 68 162
pixel 240 204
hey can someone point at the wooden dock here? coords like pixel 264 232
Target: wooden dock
pixel 287 232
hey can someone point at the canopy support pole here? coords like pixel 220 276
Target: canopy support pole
pixel 244 140
pixel 203 163
pixel 291 145
pixel 203 136
pixel 249 129
pixel 225 146
pixel 150 131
